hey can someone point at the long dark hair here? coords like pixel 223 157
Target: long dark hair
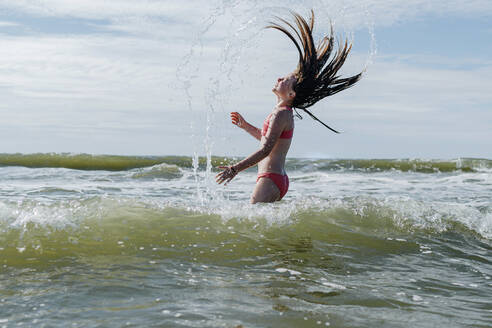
pixel 316 74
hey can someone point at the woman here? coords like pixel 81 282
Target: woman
pixel 314 79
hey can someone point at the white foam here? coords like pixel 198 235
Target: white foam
pixel 410 200
pixel 333 285
pixel 291 272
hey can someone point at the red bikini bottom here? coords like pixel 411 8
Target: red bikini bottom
pixel 280 180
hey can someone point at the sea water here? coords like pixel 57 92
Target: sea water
pixel 114 241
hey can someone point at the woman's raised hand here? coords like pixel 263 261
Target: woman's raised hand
pixel 238 120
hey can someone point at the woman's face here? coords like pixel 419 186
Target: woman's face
pixel 284 88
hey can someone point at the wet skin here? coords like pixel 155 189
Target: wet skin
pixel 272 151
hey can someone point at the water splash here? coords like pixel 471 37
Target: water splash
pixel 244 22
pixel 373 48
pixel 186 73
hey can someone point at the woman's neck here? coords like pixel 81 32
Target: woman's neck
pixel 283 103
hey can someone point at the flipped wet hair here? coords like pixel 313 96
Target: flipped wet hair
pixel 316 73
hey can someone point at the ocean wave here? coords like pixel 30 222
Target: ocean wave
pixel 90 162
pixel 100 226
pixel 160 171
pixel 403 165
pixel 392 214
pixel 120 163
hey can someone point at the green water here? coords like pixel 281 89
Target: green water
pixel 353 244
pixel 117 163
pixel 174 268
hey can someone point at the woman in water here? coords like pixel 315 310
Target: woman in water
pixel 314 79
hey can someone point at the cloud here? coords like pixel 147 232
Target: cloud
pixel 387 12
pixel 393 91
pixel 92 73
pixel 101 9
pixel 8 24
pixel 351 13
pixel 103 84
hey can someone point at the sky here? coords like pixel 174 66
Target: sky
pixel 155 77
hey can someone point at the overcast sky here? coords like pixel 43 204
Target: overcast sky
pixel 156 77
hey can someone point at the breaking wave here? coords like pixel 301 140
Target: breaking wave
pixel 119 163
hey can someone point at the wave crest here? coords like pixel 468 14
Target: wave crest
pixel 120 163
pixel 101 226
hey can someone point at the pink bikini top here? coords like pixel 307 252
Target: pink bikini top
pixel 286 134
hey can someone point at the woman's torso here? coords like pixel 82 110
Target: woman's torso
pixel 275 161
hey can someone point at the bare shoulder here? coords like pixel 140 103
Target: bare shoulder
pixel 281 114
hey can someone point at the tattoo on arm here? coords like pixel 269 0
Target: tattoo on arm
pixel 272 135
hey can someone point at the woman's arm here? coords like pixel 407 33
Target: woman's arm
pixel 276 126
pixel 231 171
pixel 238 120
pixel 253 130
